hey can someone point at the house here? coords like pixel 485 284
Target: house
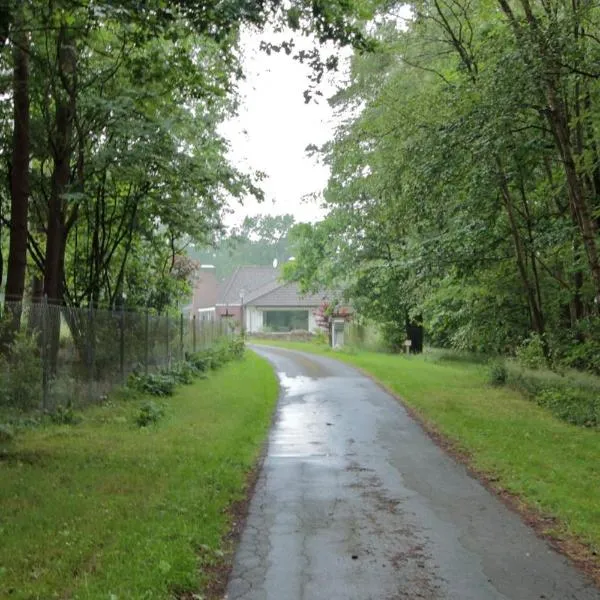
pixel 205 294
pixel 256 296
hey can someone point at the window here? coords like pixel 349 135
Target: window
pixel 285 320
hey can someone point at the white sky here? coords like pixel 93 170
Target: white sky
pixel 273 128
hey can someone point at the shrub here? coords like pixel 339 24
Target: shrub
pixel 7 433
pixel 321 338
pixel 21 374
pixel 155 384
pixel 498 373
pixel 583 355
pixel 149 413
pixel 64 415
pixel 238 347
pixel 573 397
pixel 530 353
pixel 195 364
pixel 183 373
pixel 199 360
pixel 571 405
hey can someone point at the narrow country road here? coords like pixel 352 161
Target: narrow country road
pixel 355 502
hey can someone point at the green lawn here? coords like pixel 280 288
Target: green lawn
pixel 106 510
pixel 552 466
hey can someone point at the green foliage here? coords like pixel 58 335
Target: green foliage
pixel 530 354
pixel 498 373
pixel 579 349
pixel 200 361
pixel 257 241
pixel 21 373
pixel 7 433
pixel 155 384
pixel 183 373
pixel 150 413
pixel 64 414
pixel 573 397
pixel 450 201
pixel 321 338
pixel 195 365
pixel 573 405
pixel 453 355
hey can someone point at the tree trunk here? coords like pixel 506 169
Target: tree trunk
pixel 414 333
pixel 19 176
pixel 19 180
pixel 62 154
pixel 535 310
pixel 62 149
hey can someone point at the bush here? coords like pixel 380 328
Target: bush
pixel 149 413
pixel 7 433
pixel 584 355
pixel 321 338
pixel 155 384
pixel 571 405
pixel 183 373
pixel 498 373
pixel 21 374
pixel 238 347
pixel 64 415
pixel 530 353
pixel 199 360
pixel 573 397
pixel 195 365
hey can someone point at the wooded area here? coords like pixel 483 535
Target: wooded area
pixel 110 138
pixel 113 161
pixel 465 187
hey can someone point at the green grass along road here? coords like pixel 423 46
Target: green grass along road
pixel 550 465
pixel 106 510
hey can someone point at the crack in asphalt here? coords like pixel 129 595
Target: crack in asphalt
pixel 355 502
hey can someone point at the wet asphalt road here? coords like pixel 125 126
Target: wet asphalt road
pixel 355 502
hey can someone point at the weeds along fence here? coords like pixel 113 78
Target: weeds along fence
pixel 56 355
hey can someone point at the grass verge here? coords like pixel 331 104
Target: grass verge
pixel 548 467
pixel 108 510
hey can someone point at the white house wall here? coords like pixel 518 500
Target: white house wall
pixel 312 322
pixel 253 319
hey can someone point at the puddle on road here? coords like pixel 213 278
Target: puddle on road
pixel 301 431
pixel 299 385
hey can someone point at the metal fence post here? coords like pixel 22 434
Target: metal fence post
pixel 45 374
pixel 168 349
pixel 194 333
pixel 122 344
pixel 181 336
pixel 91 343
pixel 146 341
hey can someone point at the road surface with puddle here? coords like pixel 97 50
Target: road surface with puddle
pixel 355 502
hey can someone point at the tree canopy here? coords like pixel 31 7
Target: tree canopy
pixel 113 159
pixel 465 185
pixel 259 240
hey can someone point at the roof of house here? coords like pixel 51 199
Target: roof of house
pixel 262 287
pixel 282 295
pixel 248 279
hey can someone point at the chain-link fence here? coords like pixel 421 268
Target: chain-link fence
pixel 53 355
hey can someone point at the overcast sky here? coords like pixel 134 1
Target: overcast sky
pixel 272 130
